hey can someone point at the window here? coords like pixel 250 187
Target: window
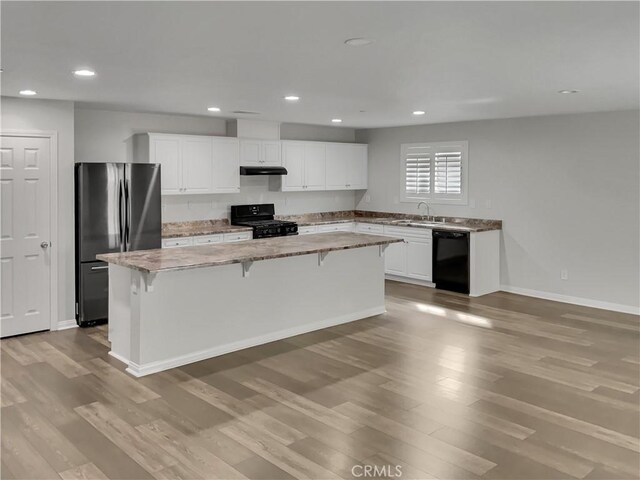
pixel 435 172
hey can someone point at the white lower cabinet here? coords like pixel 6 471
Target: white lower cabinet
pixel 206 239
pixel 371 228
pixel 336 227
pixel 395 259
pixel 177 242
pixel 237 237
pixel 411 259
pixel 307 230
pixel 419 258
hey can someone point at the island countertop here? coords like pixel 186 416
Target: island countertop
pixel 163 260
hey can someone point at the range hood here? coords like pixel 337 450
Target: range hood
pixel 263 171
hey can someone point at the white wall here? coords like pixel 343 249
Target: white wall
pixel 106 136
pixel 316 133
pixel 51 115
pixel 566 187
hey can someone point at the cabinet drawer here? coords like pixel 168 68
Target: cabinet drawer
pixel 309 229
pixel 336 227
pixel 237 237
pixel 407 232
pixel 206 239
pixel 369 228
pixel 177 242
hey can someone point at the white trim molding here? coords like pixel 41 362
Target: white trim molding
pixel 159 366
pixel 66 324
pixel 585 302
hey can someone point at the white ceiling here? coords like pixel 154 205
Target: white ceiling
pixel 456 60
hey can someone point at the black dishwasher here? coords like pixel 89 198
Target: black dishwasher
pixel 451 260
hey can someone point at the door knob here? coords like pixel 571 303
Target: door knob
pixel 44 245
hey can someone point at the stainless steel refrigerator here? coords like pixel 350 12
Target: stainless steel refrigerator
pixel 117 209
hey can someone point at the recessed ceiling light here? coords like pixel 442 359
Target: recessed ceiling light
pixel 568 91
pixel 358 42
pixel 419 112
pixel 292 98
pixel 28 93
pixel 84 72
pixel 336 120
pixel 213 109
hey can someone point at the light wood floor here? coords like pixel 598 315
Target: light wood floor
pixel 443 386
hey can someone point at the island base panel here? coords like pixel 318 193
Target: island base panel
pixel 191 315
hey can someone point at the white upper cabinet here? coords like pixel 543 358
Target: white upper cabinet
pixel 346 166
pixel 250 152
pixel 262 153
pixel 193 164
pixel 293 161
pixel 315 166
pixel 358 171
pixel 305 164
pixel 197 167
pixel 166 151
pixel 226 165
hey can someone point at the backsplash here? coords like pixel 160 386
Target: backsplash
pixel 253 190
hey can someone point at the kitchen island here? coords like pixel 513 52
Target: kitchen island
pixel 170 307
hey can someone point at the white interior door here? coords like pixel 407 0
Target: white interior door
pixel 25 253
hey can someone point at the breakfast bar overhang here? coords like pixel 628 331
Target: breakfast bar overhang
pixel 176 306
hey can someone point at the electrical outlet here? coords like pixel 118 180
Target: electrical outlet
pixel 487 203
pixel 564 274
pixel 367 199
pixel 472 203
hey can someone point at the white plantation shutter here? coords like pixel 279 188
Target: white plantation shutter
pixel 448 173
pixel 435 172
pixel 417 170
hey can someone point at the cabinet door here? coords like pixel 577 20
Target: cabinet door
pixel 166 152
pixel 419 259
pixel 315 166
pixel 336 164
pixel 226 165
pixel 197 165
pixel 250 152
pixel 395 259
pixel 357 173
pixel 293 161
pixel 271 154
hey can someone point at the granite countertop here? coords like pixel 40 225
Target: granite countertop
pixel 453 224
pixel 183 258
pixel 200 227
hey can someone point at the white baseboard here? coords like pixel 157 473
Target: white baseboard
pixel 161 365
pixel 65 324
pixel 413 281
pixel 585 302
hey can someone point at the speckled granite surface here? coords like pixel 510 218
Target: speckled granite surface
pixel 386 218
pixel 211 227
pixel 200 227
pixel 182 258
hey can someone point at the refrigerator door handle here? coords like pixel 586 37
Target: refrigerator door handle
pixel 127 215
pixel 121 214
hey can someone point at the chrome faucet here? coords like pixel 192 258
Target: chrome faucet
pixel 426 205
